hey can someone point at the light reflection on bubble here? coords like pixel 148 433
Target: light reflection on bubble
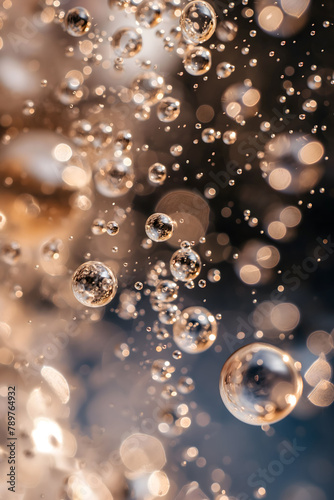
pixel 260 384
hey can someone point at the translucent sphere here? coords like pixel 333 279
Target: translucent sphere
pixel 168 313
pixel 149 13
pixel 52 249
pixel 77 21
pixel 161 370
pixel 166 290
pixel 80 131
pixel 148 88
pixel 159 227
pixel 197 61
pixel 226 31
pixel 127 42
pixel 114 177
pixel 195 330
pixel 10 253
pixel 94 284
pixel 101 135
pixel 260 384
pixel 185 264
pixel 229 137
pixel 208 135
pixel 168 109
pixel 157 173
pixel 123 140
pixel 224 69
pixel 112 228
pixel 198 21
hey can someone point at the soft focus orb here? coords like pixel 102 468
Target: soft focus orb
pixel 166 291
pixel 94 284
pixel 185 264
pixel 195 330
pixel 198 21
pixel 260 384
pixel 161 370
pixel 114 177
pixel 159 227
pixel 226 31
pixel 148 88
pixel 127 42
pixel 197 61
pixel 77 21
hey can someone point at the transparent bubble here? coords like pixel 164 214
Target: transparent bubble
pixel 166 291
pixel 185 264
pixel 176 150
pixel 229 137
pixel 208 135
pixel 168 109
pixel 98 226
pixel 143 113
pixel 80 131
pixel 138 285
pixel 101 134
pixel 149 13
pixel 123 140
pixel 226 31
pixel 114 177
pixel 157 173
pixel 162 334
pixel 52 249
pixel 168 391
pixel 195 330
pixel 112 228
pixel 185 385
pixel 127 42
pixel 198 21
pixel 161 370
pixel 159 227
pixel 197 61
pixel 224 69
pixel 148 88
pixel 177 354
pixel 259 384
pixel 69 91
pixel 94 284
pixel 10 253
pixel 168 313
pixel 77 21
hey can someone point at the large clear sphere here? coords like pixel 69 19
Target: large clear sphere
pixel 260 384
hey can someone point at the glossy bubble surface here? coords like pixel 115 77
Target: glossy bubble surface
pixel 77 21
pixel 185 264
pixel 159 227
pixel 260 384
pixel 198 21
pixel 94 284
pixel 195 330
